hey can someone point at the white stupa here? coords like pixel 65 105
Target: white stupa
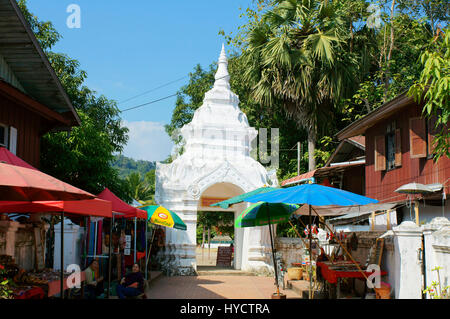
pixel 216 163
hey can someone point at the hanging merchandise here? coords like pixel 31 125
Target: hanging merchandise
pixel 99 237
pixel 160 237
pixel 316 230
pixel 91 239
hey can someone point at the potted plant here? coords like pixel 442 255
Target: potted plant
pixel 5 290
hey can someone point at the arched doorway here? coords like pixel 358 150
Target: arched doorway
pixel 219 192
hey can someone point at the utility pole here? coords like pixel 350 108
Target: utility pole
pixel 299 156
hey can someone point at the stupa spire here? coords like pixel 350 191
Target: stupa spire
pixel 222 76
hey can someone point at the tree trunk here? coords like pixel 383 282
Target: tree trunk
pixel 311 151
pixel 391 46
pixel 203 237
pixel 209 241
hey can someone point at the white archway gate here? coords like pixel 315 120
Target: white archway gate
pixel 217 150
pixel 224 191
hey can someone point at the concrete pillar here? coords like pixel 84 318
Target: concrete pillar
pixel 431 255
pixel 9 228
pixel 408 272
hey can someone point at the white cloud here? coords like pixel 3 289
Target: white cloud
pixel 147 141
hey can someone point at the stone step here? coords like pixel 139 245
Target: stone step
pixel 301 287
pixel 298 286
pixel 218 271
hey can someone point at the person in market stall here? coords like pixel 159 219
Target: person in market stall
pixel 94 286
pixel 131 285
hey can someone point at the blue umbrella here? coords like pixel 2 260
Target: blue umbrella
pixel 312 194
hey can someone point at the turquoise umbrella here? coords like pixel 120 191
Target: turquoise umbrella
pixel 312 194
pixel 261 214
pixel 241 198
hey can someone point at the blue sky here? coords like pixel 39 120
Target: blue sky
pixel 130 47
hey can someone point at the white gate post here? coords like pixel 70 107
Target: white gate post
pixel 432 259
pixel 408 272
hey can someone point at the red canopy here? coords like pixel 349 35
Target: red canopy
pixel 9 158
pixel 24 184
pixel 119 206
pixel 90 207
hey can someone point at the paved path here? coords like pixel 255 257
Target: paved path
pixel 214 287
pixel 206 256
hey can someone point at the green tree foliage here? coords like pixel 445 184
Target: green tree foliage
pixel 83 156
pixel 218 223
pixel 297 57
pixel 140 189
pixel 127 165
pixel 433 89
pixel 386 56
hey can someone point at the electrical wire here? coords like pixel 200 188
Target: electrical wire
pixel 161 99
pixel 154 89
pixel 151 102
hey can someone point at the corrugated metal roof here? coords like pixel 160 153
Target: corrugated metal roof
pixel 321 172
pixel 26 59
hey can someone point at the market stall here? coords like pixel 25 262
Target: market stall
pixel 47 279
pixel 26 190
pixel 334 272
pixel 158 215
pixel 315 195
pixel 122 233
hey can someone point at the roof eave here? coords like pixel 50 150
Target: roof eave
pixel 360 126
pixel 76 119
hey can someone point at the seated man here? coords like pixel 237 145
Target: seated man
pixel 131 285
pixel 94 286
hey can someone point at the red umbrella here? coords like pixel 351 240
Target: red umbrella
pixel 119 206
pixel 90 207
pixel 9 158
pixel 25 184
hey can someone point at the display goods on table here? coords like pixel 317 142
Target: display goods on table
pixel 331 271
pixel 33 285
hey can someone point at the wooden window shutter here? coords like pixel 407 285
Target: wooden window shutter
pixel 380 153
pixel 417 137
pixel 398 148
pixel 13 140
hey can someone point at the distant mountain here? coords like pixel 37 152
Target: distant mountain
pixel 128 165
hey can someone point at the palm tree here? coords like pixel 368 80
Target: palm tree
pixel 295 58
pixel 139 188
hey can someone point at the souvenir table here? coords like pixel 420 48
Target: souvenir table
pixel 28 292
pixel 46 282
pixel 333 272
pixel 54 286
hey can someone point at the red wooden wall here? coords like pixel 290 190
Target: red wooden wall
pixel 28 125
pixel 381 185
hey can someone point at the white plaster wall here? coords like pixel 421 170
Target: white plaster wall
pixel 437 251
pixel 71 244
pixel 408 277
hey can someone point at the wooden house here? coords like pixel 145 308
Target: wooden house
pixel 344 169
pixel 32 99
pixel 399 151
